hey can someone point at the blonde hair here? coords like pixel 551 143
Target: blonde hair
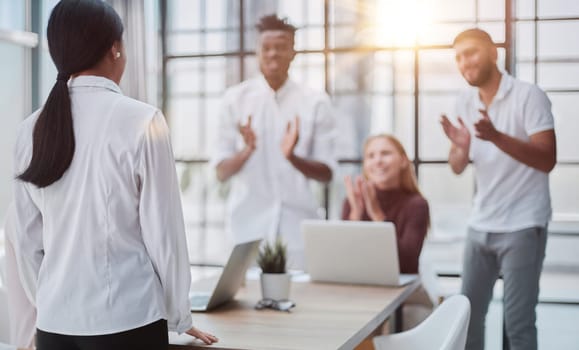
pixel 408 180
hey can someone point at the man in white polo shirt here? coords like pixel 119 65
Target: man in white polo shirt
pixel 505 126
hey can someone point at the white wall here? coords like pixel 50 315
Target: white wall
pixel 13 107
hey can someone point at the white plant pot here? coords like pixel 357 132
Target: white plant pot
pixel 275 286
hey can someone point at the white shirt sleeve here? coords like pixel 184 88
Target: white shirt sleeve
pixel 20 307
pixel 537 115
pixel 162 226
pixel 324 149
pixel 26 237
pixel 7 347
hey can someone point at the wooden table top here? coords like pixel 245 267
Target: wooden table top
pixel 326 316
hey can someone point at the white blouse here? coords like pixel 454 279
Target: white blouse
pixel 106 241
pixel 21 310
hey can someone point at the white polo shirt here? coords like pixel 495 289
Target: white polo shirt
pixel 106 242
pixel 510 195
pixel 268 195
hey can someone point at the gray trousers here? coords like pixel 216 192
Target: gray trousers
pixel 517 256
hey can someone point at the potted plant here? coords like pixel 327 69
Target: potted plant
pixel 275 281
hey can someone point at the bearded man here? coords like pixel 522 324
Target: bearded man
pixel 513 151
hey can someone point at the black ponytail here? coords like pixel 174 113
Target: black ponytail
pixel 79 33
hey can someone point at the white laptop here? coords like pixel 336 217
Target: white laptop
pixel 206 296
pixel 355 252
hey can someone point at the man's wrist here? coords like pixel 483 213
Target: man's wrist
pixel 462 150
pixel 497 137
pixel 291 157
pixel 248 150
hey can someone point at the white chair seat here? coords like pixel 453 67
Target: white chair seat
pixel 444 329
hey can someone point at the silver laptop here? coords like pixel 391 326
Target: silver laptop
pixel 355 252
pixel 210 295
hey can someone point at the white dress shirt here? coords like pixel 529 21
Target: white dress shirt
pixel 269 196
pixel 21 310
pixel 510 196
pixel 106 241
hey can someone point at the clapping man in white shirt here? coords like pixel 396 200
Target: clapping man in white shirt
pixel 274 137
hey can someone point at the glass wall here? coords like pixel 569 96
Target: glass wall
pixel 388 66
pixel 348 48
pixel 545 57
pixel 13 15
pixel 16 42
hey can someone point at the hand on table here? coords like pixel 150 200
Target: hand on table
pixel 203 336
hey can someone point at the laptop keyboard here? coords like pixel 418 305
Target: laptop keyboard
pixel 199 300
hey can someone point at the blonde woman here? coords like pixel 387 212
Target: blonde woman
pixel 388 191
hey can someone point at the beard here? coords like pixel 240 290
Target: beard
pixel 483 76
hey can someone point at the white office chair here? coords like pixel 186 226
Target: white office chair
pixel 444 329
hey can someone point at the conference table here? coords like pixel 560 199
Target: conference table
pixel 326 316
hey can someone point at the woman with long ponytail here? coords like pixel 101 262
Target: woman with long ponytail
pixel 98 220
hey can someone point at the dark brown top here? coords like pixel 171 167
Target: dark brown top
pixel 409 213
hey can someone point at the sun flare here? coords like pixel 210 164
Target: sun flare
pixel 400 23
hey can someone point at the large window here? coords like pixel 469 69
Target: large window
pixel 544 56
pixel 16 44
pixel 388 66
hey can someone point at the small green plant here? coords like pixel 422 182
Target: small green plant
pixel 272 258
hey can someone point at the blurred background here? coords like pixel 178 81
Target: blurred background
pixel 388 66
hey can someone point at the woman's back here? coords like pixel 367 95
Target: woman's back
pixel 98 220
pixel 96 276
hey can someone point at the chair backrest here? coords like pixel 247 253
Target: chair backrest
pixel 449 323
pixel 444 329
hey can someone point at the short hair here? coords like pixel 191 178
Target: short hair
pixel 273 22
pixel 473 33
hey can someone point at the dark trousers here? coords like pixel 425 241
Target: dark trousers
pixel 153 336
